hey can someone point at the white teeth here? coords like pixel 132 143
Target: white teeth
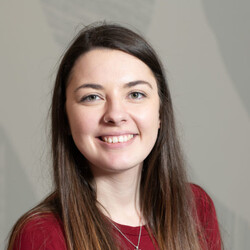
pixel 117 139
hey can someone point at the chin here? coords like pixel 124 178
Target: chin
pixel 115 167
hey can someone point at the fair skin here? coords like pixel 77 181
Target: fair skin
pixel 112 106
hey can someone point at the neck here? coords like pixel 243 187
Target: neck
pixel 118 195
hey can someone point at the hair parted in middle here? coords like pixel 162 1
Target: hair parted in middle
pixel 166 200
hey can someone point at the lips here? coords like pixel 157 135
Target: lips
pixel 117 139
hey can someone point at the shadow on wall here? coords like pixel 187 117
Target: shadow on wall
pixel 64 16
pixel 235 230
pixel 229 20
pixel 16 191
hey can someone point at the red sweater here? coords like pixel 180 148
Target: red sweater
pixel 46 233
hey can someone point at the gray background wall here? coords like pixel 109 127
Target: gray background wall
pixel 205 46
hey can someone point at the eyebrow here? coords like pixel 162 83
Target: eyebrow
pixel 90 85
pixel 100 87
pixel 134 83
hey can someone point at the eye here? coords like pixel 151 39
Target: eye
pixel 90 98
pixel 136 95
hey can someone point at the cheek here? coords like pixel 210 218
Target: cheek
pixel 81 122
pixel 148 120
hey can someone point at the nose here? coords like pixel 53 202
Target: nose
pixel 115 113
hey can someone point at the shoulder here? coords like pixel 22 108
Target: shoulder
pixel 207 217
pixel 41 231
pixel 204 204
pixel 201 197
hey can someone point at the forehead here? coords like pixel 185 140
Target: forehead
pixel 110 66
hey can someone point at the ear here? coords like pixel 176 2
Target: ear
pixel 159 125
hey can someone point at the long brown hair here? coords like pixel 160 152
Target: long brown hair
pixel 166 199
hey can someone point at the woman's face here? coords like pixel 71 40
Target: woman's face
pixel 112 105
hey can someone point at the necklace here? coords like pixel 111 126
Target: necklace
pixel 139 237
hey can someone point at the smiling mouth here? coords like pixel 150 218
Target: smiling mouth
pixel 117 139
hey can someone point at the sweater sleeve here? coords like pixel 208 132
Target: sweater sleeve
pixel 43 232
pixel 207 217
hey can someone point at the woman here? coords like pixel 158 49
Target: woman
pixel 118 170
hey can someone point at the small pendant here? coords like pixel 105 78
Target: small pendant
pixel 137 248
